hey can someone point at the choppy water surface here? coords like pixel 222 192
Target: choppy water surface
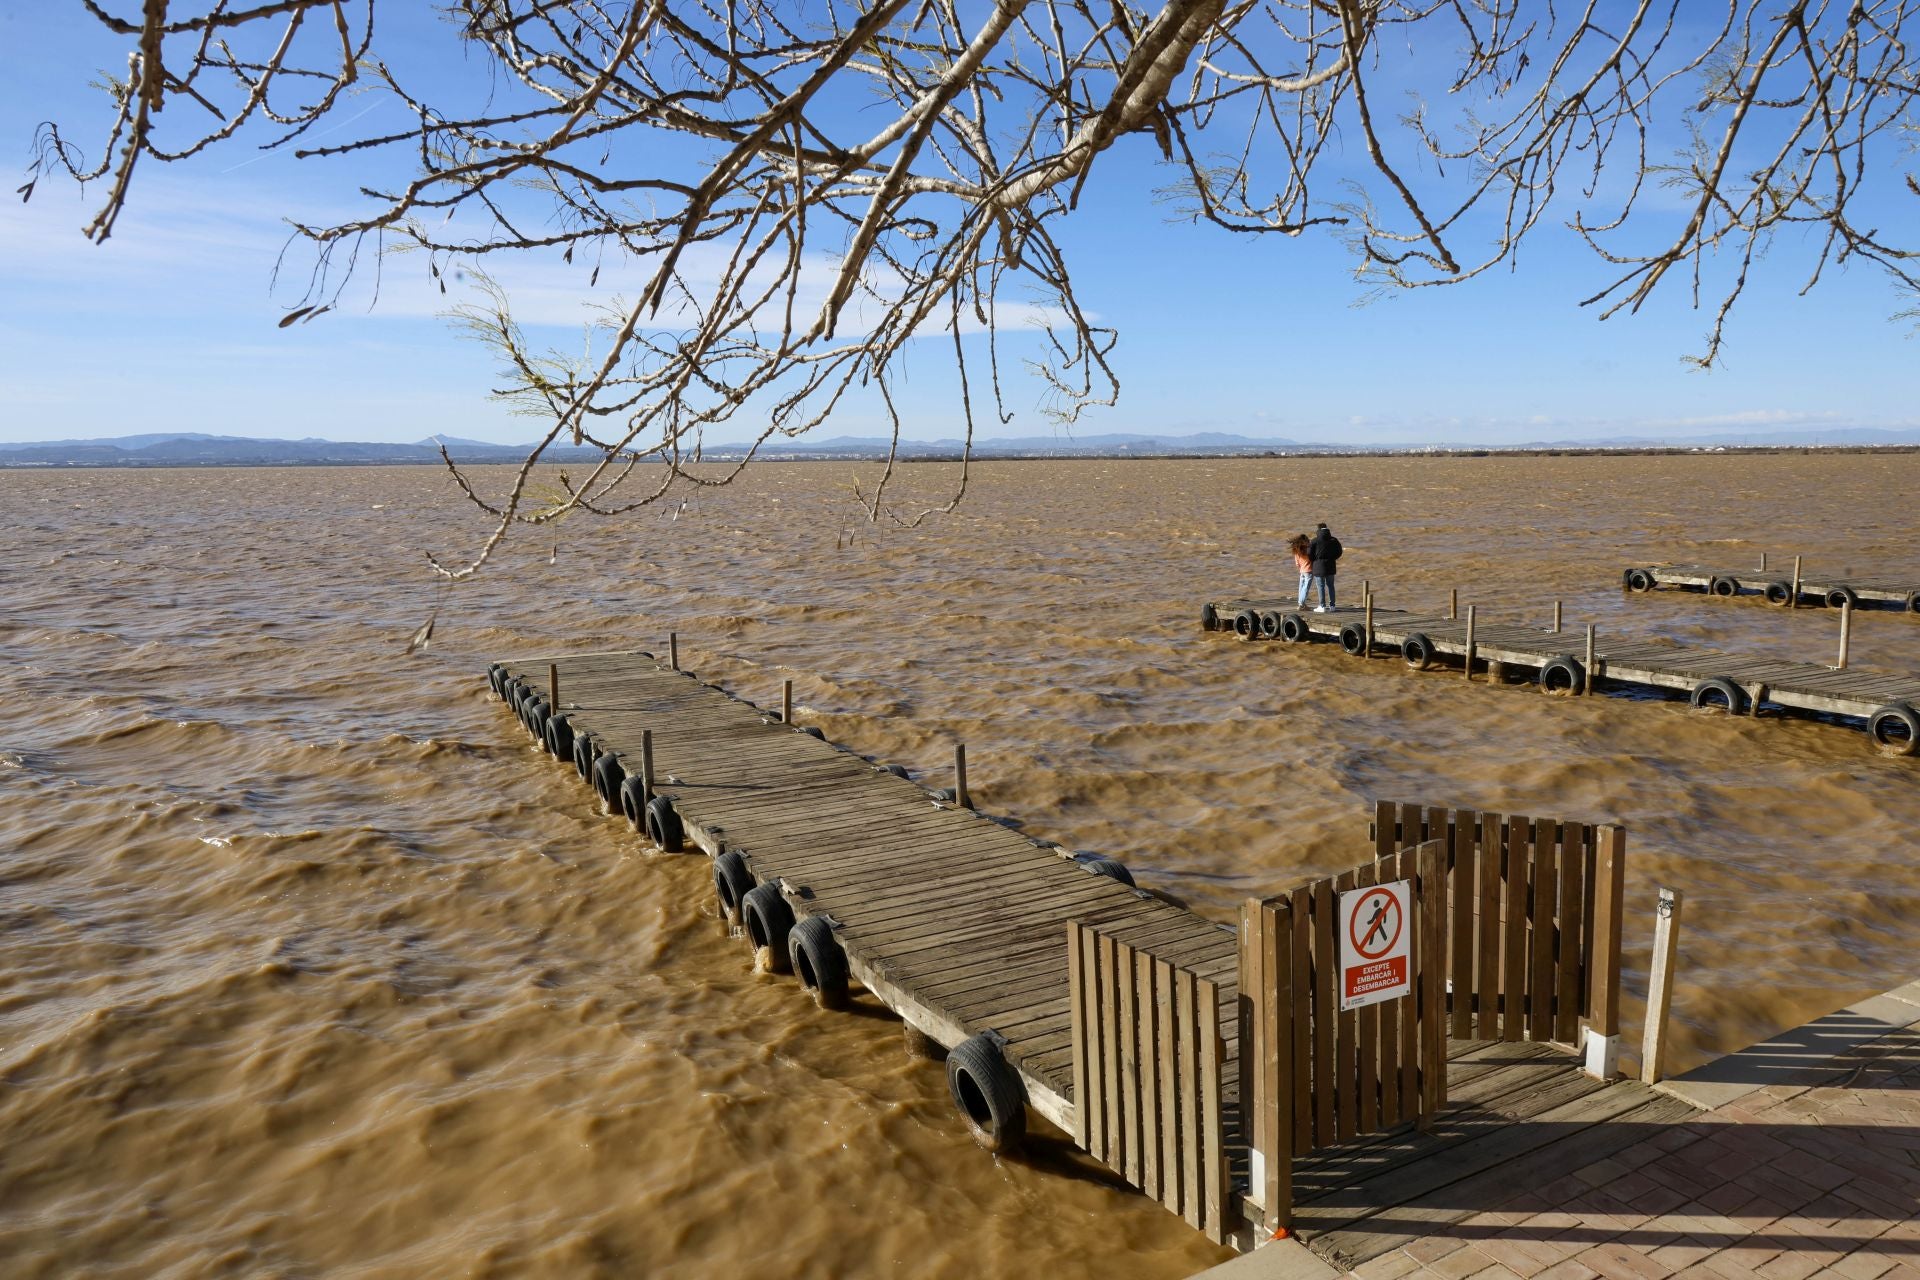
pixel 309 965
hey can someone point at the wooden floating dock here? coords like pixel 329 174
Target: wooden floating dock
pixel 1569 663
pixel 1777 587
pixel 1123 1014
pixel 951 920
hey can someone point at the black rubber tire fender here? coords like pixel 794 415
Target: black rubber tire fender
pixel 559 737
pixel 1717 693
pixel 1913 602
pixel 1246 624
pixel 1294 629
pixel 818 961
pixel 633 801
pixel 988 1094
pixel 607 777
pixel 585 752
pixel 1780 593
pixel 536 717
pixel 1209 618
pixel 732 882
pixel 495 674
pixel 664 827
pixel 1417 649
pixel 1719 585
pixel 1837 596
pixel 1270 625
pixel 1353 639
pixel 1640 580
pixel 1112 868
pixel 768 919
pixel 1563 676
pixel 512 689
pixel 813 732
pixel 1895 730
pixel 899 771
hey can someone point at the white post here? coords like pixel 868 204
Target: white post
pixel 1846 635
pixel 1666 941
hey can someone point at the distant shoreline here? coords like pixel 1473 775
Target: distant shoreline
pixel 1128 455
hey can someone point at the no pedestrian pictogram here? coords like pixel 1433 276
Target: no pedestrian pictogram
pixel 1374 946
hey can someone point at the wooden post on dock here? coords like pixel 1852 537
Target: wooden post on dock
pixel 1763 562
pixel 646 766
pixel 1666 941
pixel 673 649
pixel 1793 601
pixel 786 702
pixel 960 796
pixel 1608 888
pixel 1846 634
pixel 553 687
pixel 1453 603
pixel 1586 672
pixel 1367 652
pixel 1466 664
pixel 1556 616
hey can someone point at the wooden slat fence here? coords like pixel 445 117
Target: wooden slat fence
pixel 1147 1058
pixel 1534 949
pixel 1313 1075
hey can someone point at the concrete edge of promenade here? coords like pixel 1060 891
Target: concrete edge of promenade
pixel 1805 1055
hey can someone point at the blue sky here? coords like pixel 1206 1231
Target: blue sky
pixel 172 324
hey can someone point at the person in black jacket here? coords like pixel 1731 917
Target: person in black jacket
pixel 1325 552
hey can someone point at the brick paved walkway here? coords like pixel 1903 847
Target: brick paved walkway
pixel 1785 1183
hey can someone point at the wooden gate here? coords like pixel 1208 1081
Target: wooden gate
pixel 1534 951
pixel 1147 1058
pixel 1312 1074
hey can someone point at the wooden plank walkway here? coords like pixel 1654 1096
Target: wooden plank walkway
pixel 1658 664
pixel 1517 1114
pixel 1777 586
pixel 953 921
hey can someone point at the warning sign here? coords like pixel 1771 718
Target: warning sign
pixel 1374 944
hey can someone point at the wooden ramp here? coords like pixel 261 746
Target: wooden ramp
pixel 1778 587
pixel 1564 661
pixel 1518 1114
pixel 955 922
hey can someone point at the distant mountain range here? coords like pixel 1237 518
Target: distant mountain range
pixel 190 448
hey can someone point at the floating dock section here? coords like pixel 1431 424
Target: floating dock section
pixel 953 921
pixel 1569 663
pixel 1778 588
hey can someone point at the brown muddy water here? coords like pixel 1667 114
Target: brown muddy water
pixel 310 965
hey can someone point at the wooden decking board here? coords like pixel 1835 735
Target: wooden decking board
pixel 963 993
pixel 1486 1141
pixel 958 963
pixel 1040 1014
pixel 980 911
pixel 873 862
pixel 964 944
pixel 1401 1224
pixel 915 875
